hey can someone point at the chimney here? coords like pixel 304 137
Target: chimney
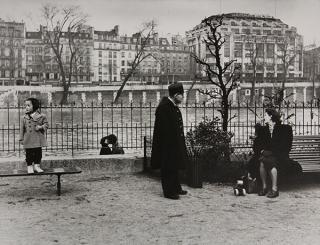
pixel 116 30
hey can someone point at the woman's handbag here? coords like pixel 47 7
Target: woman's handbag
pixel 251 185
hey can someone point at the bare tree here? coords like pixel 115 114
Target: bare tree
pixel 62 28
pixel 224 75
pixel 287 54
pixel 254 51
pixel 142 51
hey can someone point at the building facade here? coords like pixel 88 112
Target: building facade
pixel 272 40
pixel 12 53
pixel 106 65
pixel 175 60
pixel 311 68
pixel 103 57
pixel 42 66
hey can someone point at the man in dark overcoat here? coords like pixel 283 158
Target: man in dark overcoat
pixel 169 150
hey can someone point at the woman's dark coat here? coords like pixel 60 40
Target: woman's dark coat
pixel 281 144
pixel 261 142
pixel 169 150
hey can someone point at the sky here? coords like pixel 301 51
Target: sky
pixel 172 16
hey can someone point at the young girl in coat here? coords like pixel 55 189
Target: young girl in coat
pixel 32 134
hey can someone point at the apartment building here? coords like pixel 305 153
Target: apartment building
pixel 12 53
pixel 148 70
pixel 42 66
pixel 106 64
pixel 175 60
pixel 271 39
pixel 103 57
pixel 311 68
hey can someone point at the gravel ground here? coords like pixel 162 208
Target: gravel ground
pixel 130 209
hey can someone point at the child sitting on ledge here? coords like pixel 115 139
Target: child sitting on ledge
pixel 111 146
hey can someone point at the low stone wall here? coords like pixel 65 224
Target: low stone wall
pixel 111 164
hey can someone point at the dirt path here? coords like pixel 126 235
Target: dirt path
pixel 99 209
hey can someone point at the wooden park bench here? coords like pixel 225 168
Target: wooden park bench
pixel 49 171
pixel 306 151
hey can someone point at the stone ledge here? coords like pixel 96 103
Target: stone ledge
pixel 117 164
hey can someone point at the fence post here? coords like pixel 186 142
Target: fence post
pixel 144 153
pixel 72 146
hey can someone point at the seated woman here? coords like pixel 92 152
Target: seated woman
pixel 111 146
pixel 277 160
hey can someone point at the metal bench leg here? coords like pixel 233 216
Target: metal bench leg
pixel 59 185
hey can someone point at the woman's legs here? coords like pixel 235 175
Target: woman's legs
pixel 263 176
pixel 274 178
pixel 274 181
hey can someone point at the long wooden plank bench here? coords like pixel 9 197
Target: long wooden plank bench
pixel 50 171
pixel 306 151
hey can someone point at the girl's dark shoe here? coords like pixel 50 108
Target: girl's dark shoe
pixel 273 194
pixel 262 192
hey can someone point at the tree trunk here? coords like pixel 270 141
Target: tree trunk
pixel 65 93
pixel 119 92
pixel 225 113
pixel 253 88
pixel 253 92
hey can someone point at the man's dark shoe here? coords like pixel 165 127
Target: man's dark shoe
pixel 262 192
pixel 183 192
pixel 273 194
pixel 173 196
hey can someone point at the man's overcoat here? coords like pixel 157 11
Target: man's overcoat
pixel 169 150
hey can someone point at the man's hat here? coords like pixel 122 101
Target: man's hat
pixel 175 88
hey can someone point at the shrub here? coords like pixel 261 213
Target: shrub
pixel 210 145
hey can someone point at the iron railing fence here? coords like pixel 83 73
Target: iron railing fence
pixel 80 127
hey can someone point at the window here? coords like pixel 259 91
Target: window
pixel 246 31
pixel 270 50
pixel 100 53
pixel 238 50
pixel 235 30
pixel 270 67
pixel 267 32
pixel 259 67
pixel 122 55
pixel 257 32
pixel 123 63
pixel 277 32
pixel 247 92
pixel 280 67
pixel 260 51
